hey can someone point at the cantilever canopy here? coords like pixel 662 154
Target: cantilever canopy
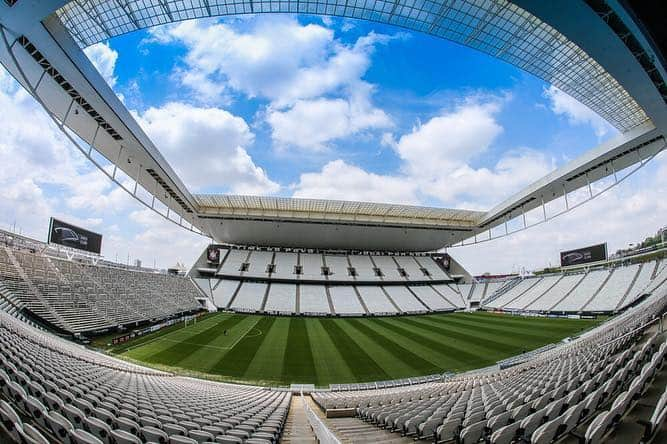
pixel 594 51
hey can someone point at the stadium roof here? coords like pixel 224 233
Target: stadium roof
pixel 497 27
pixel 334 210
pixel 597 52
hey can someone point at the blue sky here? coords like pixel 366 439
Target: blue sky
pixel 327 108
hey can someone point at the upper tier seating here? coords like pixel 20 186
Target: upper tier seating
pixel 74 395
pixel 78 297
pixel 329 267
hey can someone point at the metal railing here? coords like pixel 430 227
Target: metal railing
pixel 322 432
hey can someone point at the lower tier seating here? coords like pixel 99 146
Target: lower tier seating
pixel 70 394
pixel 590 382
pixel 328 300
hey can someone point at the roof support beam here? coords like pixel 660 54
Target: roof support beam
pixel 128 11
pixel 165 8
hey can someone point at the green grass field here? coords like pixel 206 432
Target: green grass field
pixel 282 350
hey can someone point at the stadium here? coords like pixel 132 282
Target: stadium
pixel 310 319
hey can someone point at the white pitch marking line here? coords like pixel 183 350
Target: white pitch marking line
pixel 164 338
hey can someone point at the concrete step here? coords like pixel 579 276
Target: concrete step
pixel 354 430
pixel 297 429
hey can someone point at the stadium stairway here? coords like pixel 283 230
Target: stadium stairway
pixel 352 430
pixel 297 428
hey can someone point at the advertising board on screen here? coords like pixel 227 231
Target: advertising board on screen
pixel 594 253
pixel 71 236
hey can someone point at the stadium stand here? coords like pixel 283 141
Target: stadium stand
pixel 554 294
pixel 513 292
pixel 285 264
pixel 329 300
pixel 323 267
pixel 346 301
pixel 605 290
pixel 404 299
pixel 313 299
pixel 472 292
pixel 452 295
pixel 258 264
pixel 338 268
pixel 250 297
pixel 77 297
pixel 223 292
pixel 534 292
pixel 589 285
pixel 643 279
pixel 65 393
pixel 432 298
pixel 281 299
pixel 376 300
pixel 586 385
pixel 491 288
pixel 611 294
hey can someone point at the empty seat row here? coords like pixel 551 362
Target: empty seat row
pixel 69 397
pixel 79 297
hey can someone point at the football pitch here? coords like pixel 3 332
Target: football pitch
pixel 282 350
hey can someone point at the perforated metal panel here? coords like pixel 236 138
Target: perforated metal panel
pixel 496 27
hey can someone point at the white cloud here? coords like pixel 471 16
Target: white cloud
pixel 437 162
pixel 264 61
pixel 450 140
pixel 576 112
pixel 305 73
pixel 207 147
pixel 312 124
pixel 104 58
pixel 340 180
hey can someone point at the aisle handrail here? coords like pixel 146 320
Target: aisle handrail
pixel 322 432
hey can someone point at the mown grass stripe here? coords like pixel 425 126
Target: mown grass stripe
pixel 443 359
pixel 552 324
pixel 439 346
pixel 180 351
pixel 236 361
pixel 345 350
pixel 298 363
pixel 497 329
pixel 266 365
pixel 330 365
pixel 400 353
pixel 381 356
pixel 470 336
pixel 364 367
